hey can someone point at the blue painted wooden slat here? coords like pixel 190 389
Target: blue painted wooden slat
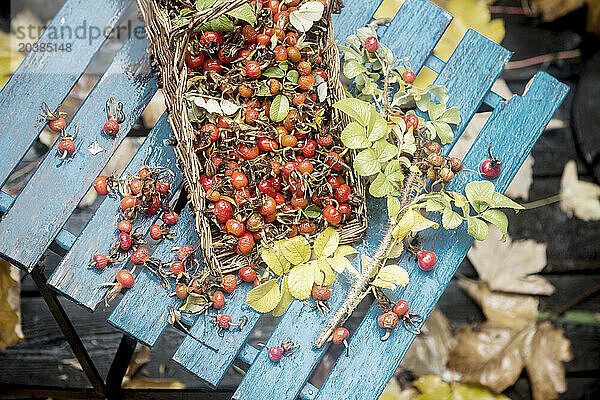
pixel 73 277
pixel 374 361
pixel 355 14
pixel 300 323
pixel 405 35
pixel 208 364
pixel 492 99
pixel 435 63
pixel 48 76
pixel 143 310
pixel 57 186
pixel 469 74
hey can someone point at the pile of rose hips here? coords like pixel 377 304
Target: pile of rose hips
pixel 439 168
pixel 261 176
pixel 145 192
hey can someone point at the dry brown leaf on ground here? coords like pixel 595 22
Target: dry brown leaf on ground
pixel 490 356
pixel 510 340
pixel 510 266
pixel 578 198
pixel 494 357
pixel 512 311
pixel 544 356
pixel 428 355
pixel 10 305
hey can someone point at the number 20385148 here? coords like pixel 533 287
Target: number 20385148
pixel 44 47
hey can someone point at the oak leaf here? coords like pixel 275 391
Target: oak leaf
pixel 10 305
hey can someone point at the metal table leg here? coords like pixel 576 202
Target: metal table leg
pixel 68 330
pixel 117 370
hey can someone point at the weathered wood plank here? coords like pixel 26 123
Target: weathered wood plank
pixel 143 310
pixel 355 14
pixel 206 363
pixel 469 74
pixel 57 186
pixel 48 76
pixel 405 34
pixel 300 323
pixel 375 361
pixel 73 277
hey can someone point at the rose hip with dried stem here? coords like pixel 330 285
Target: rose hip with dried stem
pixel 115 116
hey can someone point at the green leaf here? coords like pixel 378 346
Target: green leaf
pixel 274 72
pixel 443 131
pixel 245 13
pixel 296 250
pixel 301 279
pixel 285 299
pixel 354 136
pixel 326 242
pixel 313 211
pixel 434 205
pixel 324 275
pixel 450 219
pixel 451 116
pixel 384 150
pixel 204 4
pixel 497 218
pixel 358 110
pixel 280 108
pixel 377 127
pixel 353 68
pixel 477 228
pixel 275 260
pixel 220 24
pixel 393 171
pixel 480 194
pixel 501 201
pixel 365 163
pixel 435 111
pixel 440 92
pixel 393 206
pixel 391 276
pixel 345 250
pixel 265 297
pixel 304 18
pixel 293 76
pixel 195 304
pixel 380 187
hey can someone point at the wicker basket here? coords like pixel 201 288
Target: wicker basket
pixel 168 45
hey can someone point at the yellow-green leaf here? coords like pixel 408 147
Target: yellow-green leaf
pixel 354 136
pixel 285 300
pixel 345 250
pixel 327 242
pixel 422 223
pixel 391 276
pixel 324 275
pixel 296 250
pixel 265 297
pixel 377 127
pixel 405 225
pixel 301 279
pixel 275 260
